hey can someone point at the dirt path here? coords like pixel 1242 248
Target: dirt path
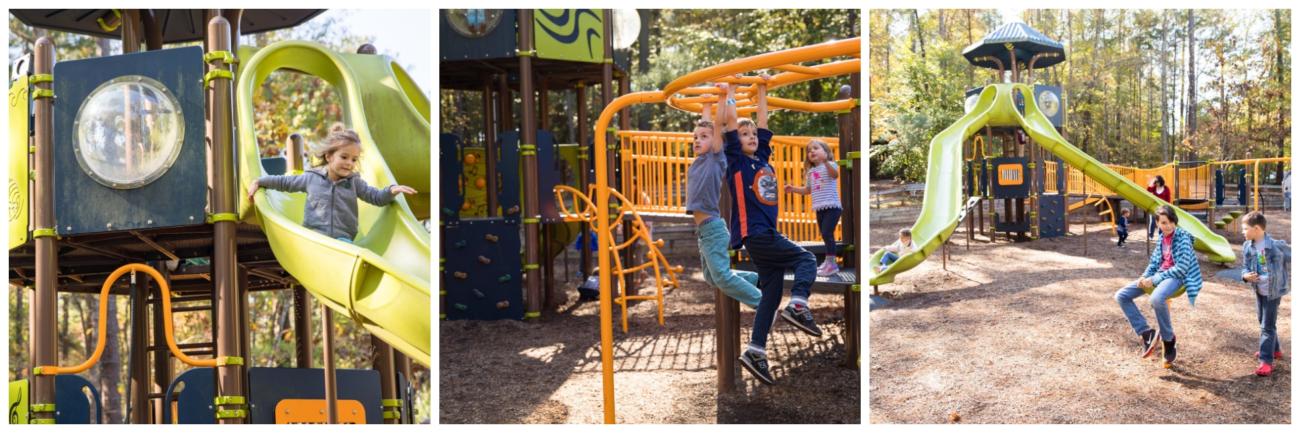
pixel 548 371
pixel 1030 333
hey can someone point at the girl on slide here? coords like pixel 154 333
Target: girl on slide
pixel 333 187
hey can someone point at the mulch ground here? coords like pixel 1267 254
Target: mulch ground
pixel 548 370
pixel 1030 333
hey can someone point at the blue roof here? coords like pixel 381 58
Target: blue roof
pixel 1025 40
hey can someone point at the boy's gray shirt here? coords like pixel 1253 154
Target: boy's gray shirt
pixel 331 207
pixel 1277 254
pixel 704 183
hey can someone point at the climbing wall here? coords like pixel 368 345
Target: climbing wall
pixel 482 270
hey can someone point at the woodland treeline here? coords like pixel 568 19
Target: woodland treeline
pixel 1142 87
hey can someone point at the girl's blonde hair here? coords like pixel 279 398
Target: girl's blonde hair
pixel 338 138
pixel 826 148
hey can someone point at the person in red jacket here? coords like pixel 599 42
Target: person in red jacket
pixel 1156 187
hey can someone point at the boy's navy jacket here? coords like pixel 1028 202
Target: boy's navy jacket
pixel 331 207
pixel 1277 254
pixel 751 181
pixel 1185 266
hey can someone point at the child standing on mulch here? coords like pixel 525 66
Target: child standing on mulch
pixel 1266 267
pixel 1121 227
pixel 822 177
pixel 751 182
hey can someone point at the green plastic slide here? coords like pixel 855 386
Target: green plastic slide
pixel 381 281
pixel 942 211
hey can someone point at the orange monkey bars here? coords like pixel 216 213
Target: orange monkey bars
pixel 725 72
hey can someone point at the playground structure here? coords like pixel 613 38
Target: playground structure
pixel 523 177
pixel 1020 173
pixel 200 245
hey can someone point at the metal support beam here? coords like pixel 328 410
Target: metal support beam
pixel 528 159
pixel 42 323
pixel 230 305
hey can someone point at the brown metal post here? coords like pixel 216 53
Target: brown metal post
pixel 301 327
pixel 138 375
pixel 528 158
pixel 245 349
pixel 490 148
pixel 234 17
pixel 131 28
pixel 162 359
pixel 44 299
pixel 583 165
pixel 229 303
pixel 727 339
pixel 387 377
pixel 331 386
pixel 607 95
pixel 849 185
pixel 295 153
pixel 152 30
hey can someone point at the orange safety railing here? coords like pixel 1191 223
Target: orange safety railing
pixel 654 166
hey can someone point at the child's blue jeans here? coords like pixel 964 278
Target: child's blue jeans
pixel 716 264
pixel 1162 292
pixel 1268 340
pixel 888 259
pixel 772 254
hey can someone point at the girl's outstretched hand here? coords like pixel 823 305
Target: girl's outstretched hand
pixel 252 190
pixel 402 189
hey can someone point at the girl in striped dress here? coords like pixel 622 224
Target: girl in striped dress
pixel 822 179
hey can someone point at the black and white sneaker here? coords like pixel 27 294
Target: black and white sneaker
pixel 801 318
pixel 1171 352
pixel 756 363
pixel 1150 339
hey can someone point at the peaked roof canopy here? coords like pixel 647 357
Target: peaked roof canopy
pixel 177 25
pixel 1017 36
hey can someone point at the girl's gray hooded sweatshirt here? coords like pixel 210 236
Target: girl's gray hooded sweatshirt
pixel 331 207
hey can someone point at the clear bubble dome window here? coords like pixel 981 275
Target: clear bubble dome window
pixel 128 132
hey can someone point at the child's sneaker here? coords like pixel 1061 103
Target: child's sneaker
pixel 1171 352
pixel 757 365
pixel 1277 356
pixel 801 318
pixel 1149 340
pixel 829 268
pixel 1265 369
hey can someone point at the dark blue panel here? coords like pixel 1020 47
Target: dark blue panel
pixel 508 174
pixel 267 386
pixel 548 175
pixel 1009 191
pixel 275 165
pixel 488 291
pixel 83 205
pixel 194 404
pixel 1051 216
pixel 449 169
pixel 1058 116
pixel 500 43
pixel 72 404
pixel 1218 187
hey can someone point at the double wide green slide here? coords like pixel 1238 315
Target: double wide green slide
pixel 381 280
pixel 942 209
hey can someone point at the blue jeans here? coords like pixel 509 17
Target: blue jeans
pixel 1268 341
pixel 772 254
pixel 888 259
pixel 716 264
pixel 1162 292
pixel 1151 226
pixel 341 238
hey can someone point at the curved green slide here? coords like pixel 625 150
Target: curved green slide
pixel 382 280
pixel 942 211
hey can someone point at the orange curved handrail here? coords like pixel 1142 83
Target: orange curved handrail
pixel 165 290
